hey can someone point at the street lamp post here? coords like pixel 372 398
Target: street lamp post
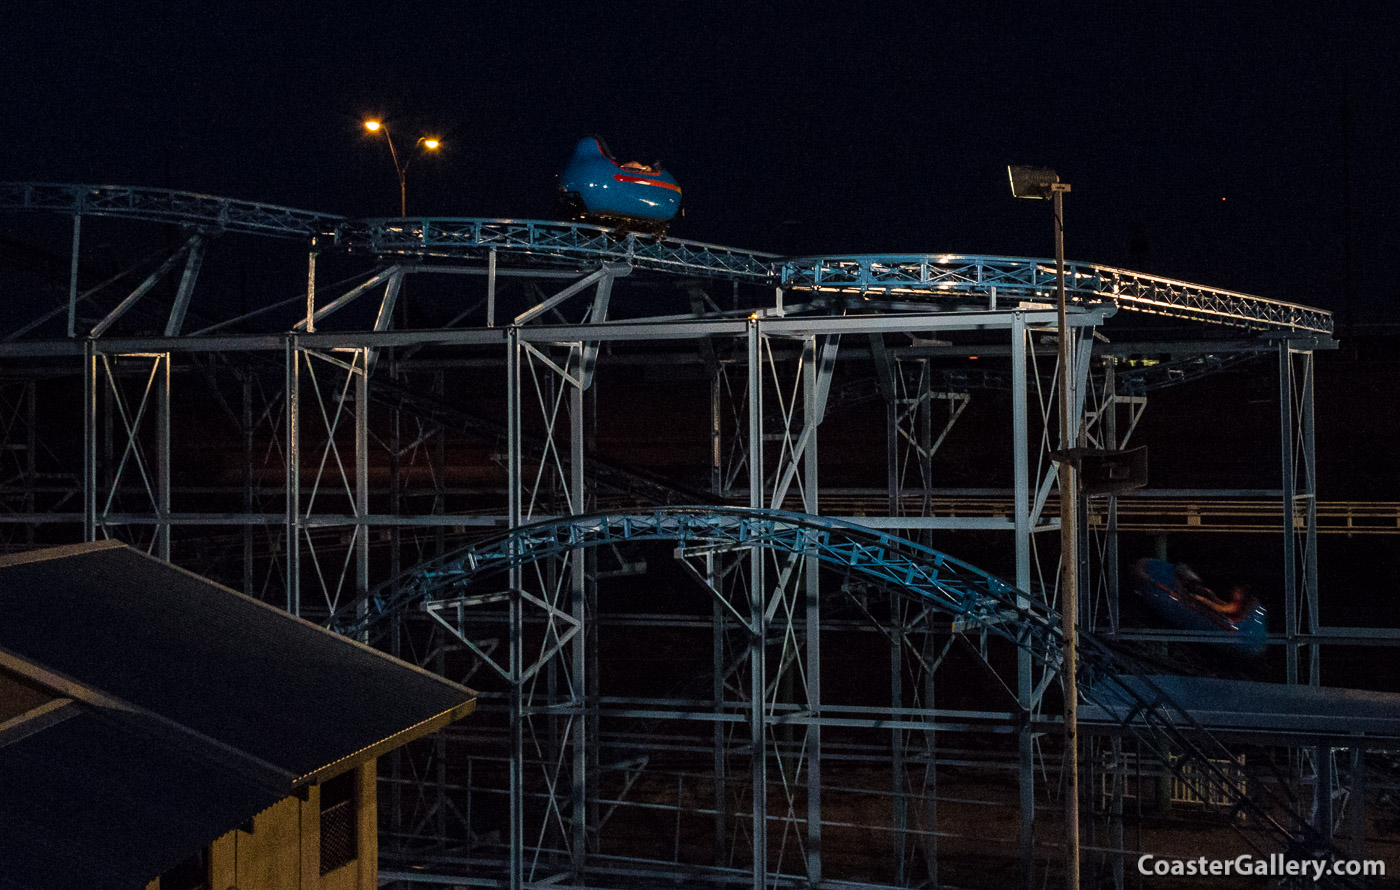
pixel 428 143
pixel 1035 182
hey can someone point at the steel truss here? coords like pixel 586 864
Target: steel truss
pixel 449 589
pixel 352 436
pixel 927 276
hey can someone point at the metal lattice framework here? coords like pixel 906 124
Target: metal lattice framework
pixel 906 276
pixel 950 275
pixel 545 241
pixel 163 205
pixel 979 602
pixel 356 430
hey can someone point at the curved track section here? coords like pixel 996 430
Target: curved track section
pixel 920 276
pixel 906 275
pixel 551 242
pixel 165 206
pixel 974 597
pixel 954 586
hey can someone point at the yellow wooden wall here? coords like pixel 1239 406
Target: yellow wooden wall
pixel 283 852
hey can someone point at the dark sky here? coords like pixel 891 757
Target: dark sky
pixel 792 127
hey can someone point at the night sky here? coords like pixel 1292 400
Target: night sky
pixel 1243 145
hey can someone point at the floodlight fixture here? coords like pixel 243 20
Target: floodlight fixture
pixel 1034 182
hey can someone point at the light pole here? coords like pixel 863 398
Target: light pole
pixel 428 143
pixel 1037 182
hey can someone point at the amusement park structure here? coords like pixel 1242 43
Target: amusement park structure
pixel 579 470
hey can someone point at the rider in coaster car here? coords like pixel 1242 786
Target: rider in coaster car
pixel 1190 583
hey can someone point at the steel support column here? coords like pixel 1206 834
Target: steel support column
pixel 583 745
pixel 1020 468
pixel 720 761
pixel 89 441
pixel 516 856
pixel 73 276
pixel 1295 402
pixel 758 761
pixel 814 406
pixel 163 527
pixel 292 472
pixel 1309 498
pixel 361 535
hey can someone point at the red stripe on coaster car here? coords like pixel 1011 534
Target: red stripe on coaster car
pixel 622 177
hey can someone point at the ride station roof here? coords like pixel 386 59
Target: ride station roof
pixel 145 711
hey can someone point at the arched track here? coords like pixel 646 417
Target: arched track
pixel 949 585
pixel 919 276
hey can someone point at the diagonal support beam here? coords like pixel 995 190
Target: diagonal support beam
pixel 350 295
pixel 187 280
pixel 607 270
pixel 826 362
pixel 143 288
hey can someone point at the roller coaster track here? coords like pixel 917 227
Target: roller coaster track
pixel 907 276
pixel 974 597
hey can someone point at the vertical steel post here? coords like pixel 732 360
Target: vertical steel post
pixel 892 453
pixel 924 413
pixel 248 578
pixel 31 448
pixel 899 809
pixel 899 805
pixel 396 760
pixel 1020 468
pixel 292 472
pixel 717 624
pixel 812 411
pixel 1110 405
pixel 517 726
pixel 1069 557
pixel 311 288
pixel 1290 504
pixel 73 277
pixel 1356 803
pixel 89 441
pixel 1322 792
pixel 930 657
pixel 578 691
pixel 360 370
pixel 163 456
pixel 1309 495
pixel 757 630
pixel 1116 812
pixel 491 289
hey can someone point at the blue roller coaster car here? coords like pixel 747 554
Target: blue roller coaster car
pixel 633 195
pixel 1176 594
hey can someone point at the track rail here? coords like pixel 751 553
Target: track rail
pixel 207 212
pixel 951 275
pixel 903 276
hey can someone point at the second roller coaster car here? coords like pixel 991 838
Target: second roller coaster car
pixel 1177 594
pixel 594 186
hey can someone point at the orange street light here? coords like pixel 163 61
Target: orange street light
pixel 429 143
